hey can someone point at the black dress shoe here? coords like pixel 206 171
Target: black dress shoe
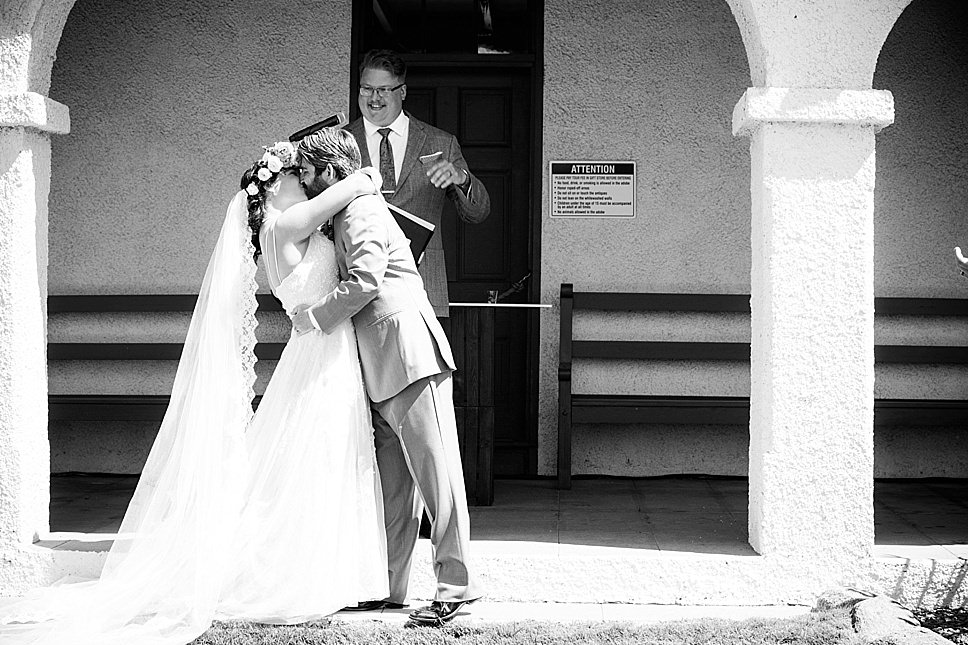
pixel 438 612
pixel 373 605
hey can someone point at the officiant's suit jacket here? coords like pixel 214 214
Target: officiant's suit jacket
pixel 399 338
pixel 415 194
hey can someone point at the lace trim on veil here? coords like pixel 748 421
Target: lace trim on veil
pixel 247 339
pixel 163 575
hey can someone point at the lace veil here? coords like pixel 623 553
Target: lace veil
pixel 161 581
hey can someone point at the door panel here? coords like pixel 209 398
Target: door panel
pixel 488 110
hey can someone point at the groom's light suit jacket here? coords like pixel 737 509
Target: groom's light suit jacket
pixel 398 334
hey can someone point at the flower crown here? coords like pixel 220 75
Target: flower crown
pixel 277 157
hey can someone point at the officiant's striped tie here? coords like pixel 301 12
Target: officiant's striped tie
pixel 387 171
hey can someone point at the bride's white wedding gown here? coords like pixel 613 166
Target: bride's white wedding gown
pixel 281 524
pixel 311 538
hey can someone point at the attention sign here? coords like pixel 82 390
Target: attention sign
pixel 593 189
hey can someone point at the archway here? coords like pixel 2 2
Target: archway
pixel 919 216
pixel 130 207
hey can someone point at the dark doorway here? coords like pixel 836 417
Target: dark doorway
pixel 488 101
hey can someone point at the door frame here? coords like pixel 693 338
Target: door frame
pixel 535 63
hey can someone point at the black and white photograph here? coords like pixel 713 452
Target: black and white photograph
pixel 483 322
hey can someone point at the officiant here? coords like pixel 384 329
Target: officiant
pixel 422 166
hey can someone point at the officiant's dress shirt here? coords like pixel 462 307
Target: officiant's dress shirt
pixel 399 133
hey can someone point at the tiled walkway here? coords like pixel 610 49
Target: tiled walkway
pixel 704 515
pixel 913 518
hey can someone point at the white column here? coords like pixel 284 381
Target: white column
pixel 812 363
pixel 26 121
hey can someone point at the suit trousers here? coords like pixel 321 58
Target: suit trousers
pixel 419 459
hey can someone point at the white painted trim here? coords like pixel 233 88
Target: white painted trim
pixel 759 105
pixel 36 111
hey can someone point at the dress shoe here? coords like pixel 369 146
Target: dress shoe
pixel 373 605
pixel 438 612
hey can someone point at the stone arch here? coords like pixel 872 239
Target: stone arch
pixel 790 46
pixel 32 29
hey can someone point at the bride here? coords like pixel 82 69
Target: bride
pixel 274 517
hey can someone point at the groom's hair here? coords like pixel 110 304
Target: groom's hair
pixel 386 60
pixel 333 146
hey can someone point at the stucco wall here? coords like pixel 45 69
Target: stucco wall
pixel 920 214
pixel 921 198
pixel 653 83
pixel 170 102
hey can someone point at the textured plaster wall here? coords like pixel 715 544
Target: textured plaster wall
pixel 921 200
pixel 653 83
pixel 170 102
pixel 920 214
pixel 811 414
pixel 692 225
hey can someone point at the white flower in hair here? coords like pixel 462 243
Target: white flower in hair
pixel 285 151
pixel 252 189
pixel 264 174
pixel 273 163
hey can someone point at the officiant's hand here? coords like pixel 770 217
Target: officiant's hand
pixel 302 322
pixel 444 173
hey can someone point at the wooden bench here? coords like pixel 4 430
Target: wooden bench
pixel 471 332
pixel 728 410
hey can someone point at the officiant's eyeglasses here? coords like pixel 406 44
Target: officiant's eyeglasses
pixel 366 90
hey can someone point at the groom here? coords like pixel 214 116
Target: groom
pixel 407 365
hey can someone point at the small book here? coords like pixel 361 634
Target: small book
pixel 418 231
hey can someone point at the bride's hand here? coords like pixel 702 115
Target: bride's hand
pixel 375 180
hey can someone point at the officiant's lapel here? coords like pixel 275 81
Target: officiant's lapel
pixel 358 130
pixel 415 143
pixel 415 146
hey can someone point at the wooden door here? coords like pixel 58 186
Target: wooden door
pixel 489 111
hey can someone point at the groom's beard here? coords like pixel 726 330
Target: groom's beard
pixel 316 186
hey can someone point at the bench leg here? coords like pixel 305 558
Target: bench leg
pixel 564 441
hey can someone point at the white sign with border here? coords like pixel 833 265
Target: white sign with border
pixel 592 188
